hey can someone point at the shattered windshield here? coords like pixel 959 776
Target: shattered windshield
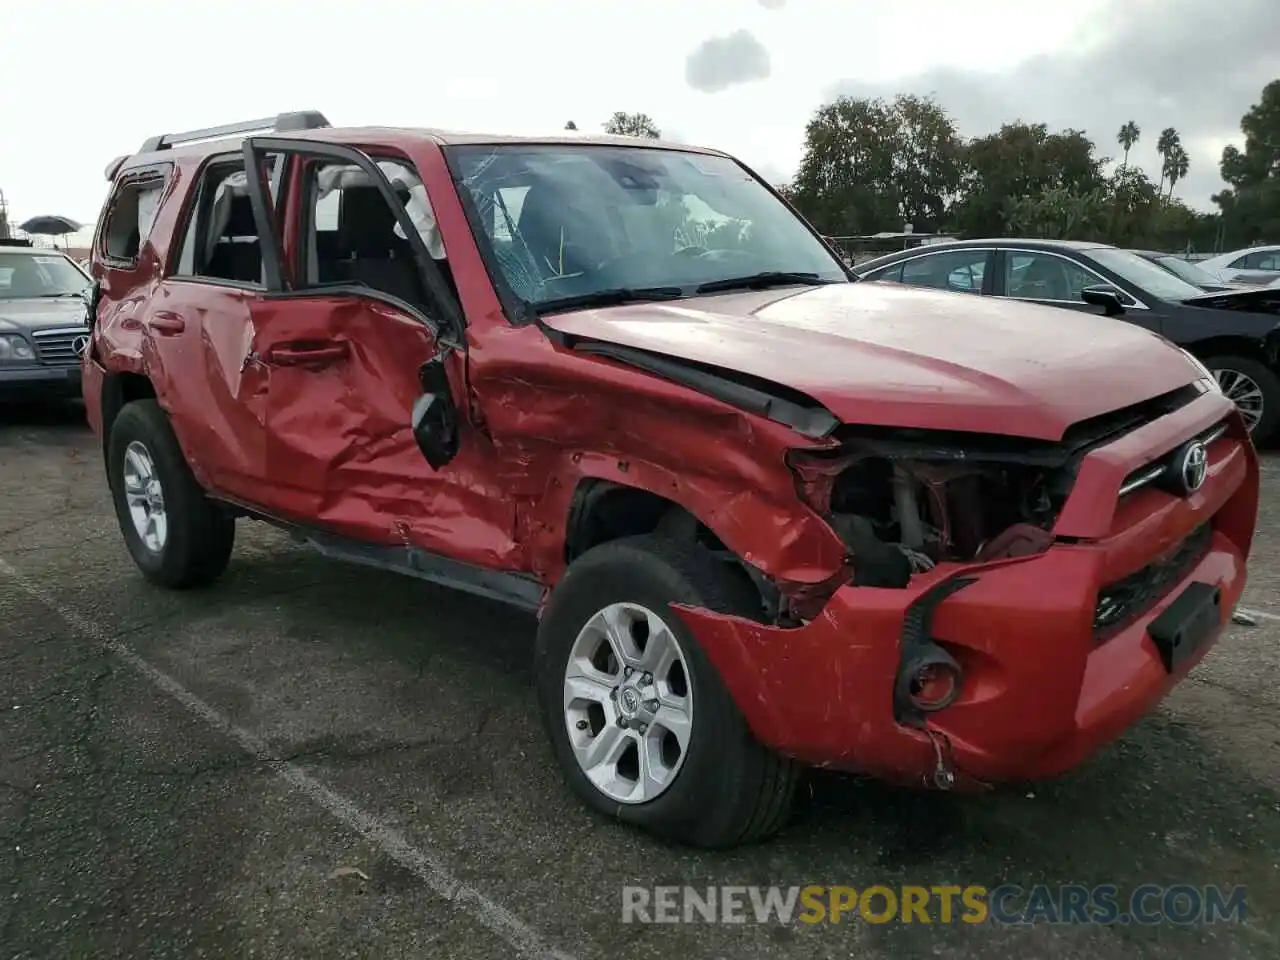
pixel 24 275
pixel 572 222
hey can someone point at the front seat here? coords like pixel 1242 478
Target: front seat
pixel 374 255
pixel 1044 280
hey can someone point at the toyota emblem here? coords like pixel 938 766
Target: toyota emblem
pixel 80 344
pixel 1191 467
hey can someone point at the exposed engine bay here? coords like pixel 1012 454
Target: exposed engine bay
pixel 903 516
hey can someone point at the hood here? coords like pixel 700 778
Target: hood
pixel 888 355
pixel 42 313
pixel 1253 299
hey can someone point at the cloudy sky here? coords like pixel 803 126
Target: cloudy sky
pixel 741 75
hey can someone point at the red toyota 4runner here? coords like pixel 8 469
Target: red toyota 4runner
pixel 768 517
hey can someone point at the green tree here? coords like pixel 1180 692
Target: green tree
pixel 1175 166
pixel 571 125
pixel 1021 161
pixel 625 124
pixel 1134 203
pixel 1251 205
pixel 1169 140
pixel 872 165
pixel 1127 137
pixel 1060 213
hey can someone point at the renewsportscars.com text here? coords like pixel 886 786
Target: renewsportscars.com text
pixel 1146 905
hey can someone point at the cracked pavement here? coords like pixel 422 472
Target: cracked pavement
pixel 132 824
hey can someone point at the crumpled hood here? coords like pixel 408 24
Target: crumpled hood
pixel 41 313
pixel 886 355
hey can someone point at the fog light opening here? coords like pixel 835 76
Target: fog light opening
pixel 934 687
pixel 930 680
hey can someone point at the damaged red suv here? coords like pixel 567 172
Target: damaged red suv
pixel 768 517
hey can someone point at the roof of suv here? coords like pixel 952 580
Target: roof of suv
pixel 406 136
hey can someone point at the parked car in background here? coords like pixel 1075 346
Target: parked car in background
pixel 1193 273
pixel 43 328
pixel 1236 334
pixel 1256 265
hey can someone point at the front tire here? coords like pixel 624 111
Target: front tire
pixel 1255 390
pixel 175 534
pixel 639 720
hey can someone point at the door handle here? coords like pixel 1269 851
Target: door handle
pixel 298 356
pixel 163 321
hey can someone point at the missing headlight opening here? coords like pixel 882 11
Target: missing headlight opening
pixel 903 515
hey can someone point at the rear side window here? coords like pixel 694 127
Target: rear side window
pixel 130 217
pixel 221 242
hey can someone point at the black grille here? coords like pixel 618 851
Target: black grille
pixel 57 347
pixel 1120 603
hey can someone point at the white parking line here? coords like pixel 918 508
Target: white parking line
pixel 1260 614
pixel 427 866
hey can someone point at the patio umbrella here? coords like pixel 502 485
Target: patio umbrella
pixel 50 226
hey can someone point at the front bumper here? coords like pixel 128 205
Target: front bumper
pixel 35 382
pixel 1043 688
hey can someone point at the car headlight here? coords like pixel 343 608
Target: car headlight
pixel 14 348
pixel 1205 373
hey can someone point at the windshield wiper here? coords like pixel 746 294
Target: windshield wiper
pixel 608 298
pixel 57 296
pixel 762 281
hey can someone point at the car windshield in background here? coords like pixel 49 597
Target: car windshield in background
pixel 1187 270
pixel 1145 275
pixel 581 224
pixel 27 275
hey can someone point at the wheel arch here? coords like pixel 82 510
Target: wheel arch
pixel 119 389
pixel 777 547
pixel 1229 345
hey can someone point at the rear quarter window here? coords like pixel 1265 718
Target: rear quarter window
pixel 130 214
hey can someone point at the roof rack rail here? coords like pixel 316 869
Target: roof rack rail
pixel 280 123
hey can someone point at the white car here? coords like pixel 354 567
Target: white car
pixel 1256 265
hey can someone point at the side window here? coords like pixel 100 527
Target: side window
pixel 1043 276
pixel 129 218
pixel 352 236
pixel 221 241
pixel 1262 260
pixel 960 271
pixel 893 274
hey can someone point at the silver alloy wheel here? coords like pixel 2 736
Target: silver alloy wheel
pixel 628 703
pixel 1244 392
pixel 145 497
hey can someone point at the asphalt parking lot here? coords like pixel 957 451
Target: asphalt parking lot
pixel 313 760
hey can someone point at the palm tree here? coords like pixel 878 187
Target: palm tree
pixel 1164 146
pixel 1176 165
pixel 1127 137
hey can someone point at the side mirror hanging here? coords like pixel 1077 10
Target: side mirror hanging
pixel 434 418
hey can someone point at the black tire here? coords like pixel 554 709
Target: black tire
pixel 1268 427
pixel 200 533
pixel 730 790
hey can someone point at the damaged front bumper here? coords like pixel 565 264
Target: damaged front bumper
pixel 1052 669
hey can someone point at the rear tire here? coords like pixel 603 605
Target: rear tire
pixel 176 535
pixel 724 788
pixel 1249 378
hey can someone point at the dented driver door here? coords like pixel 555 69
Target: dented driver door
pixel 356 322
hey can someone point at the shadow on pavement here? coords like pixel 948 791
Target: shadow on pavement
pixel 56 414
